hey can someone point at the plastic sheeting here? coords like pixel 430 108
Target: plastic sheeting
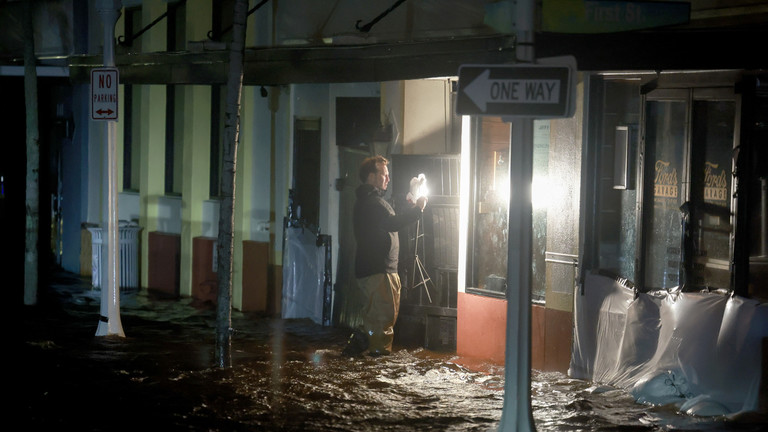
pixel 700 351
pixel 303 275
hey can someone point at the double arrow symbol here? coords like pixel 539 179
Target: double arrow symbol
pixel 102 112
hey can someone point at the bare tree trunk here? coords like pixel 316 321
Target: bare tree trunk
pixel 227 206
pixel 31 253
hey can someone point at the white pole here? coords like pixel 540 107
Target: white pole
pixel 109 319
pixel 516 414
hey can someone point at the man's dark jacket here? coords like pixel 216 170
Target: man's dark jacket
pixel 376 225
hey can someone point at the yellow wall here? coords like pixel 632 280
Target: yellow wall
pixel 196 132
pixel 151 140
pixel 197 118
pixel 243 187
pixel 426 120
pixel 151 179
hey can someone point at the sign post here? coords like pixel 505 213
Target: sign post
pixel 104 83
pixel 519 93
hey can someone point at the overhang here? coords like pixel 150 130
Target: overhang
pixel 316 64
pixel 651 50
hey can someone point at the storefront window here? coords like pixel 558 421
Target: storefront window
pixel 487 264
pixel 491 198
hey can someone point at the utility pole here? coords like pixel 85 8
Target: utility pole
pixel 227 207
pixel 32 212
pixel 109 317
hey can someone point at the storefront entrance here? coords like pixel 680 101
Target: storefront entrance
pixel 687 185
pixel 679 181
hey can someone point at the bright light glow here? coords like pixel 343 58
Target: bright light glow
pixel 543 193
pixel 501 190
pixel 418 188
pixel 422 189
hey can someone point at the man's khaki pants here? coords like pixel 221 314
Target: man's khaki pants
pixel 381 294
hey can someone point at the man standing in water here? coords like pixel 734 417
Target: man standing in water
pixel 376 225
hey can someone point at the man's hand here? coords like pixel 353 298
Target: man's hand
pixel 421 202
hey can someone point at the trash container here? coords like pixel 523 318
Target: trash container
pixel 128 251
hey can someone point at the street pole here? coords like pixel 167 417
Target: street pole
pixel 516 414
pixel 109 318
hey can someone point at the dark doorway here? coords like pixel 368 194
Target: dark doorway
pixel 357 120
pixel 306 172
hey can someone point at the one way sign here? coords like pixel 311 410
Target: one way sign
pixel 535 91
pixel 104 83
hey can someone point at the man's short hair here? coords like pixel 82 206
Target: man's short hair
pixel 368 166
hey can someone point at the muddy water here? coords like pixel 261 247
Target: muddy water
pixel 287 375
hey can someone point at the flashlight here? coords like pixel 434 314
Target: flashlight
pixel 418 188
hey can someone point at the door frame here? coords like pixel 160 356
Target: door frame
pixel 704 87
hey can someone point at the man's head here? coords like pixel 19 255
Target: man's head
pixel 374 171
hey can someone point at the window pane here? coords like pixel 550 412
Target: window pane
pixel 712 143
pixel 306 172
pixel 174 139
pixel 617 217
pixel 131 137
pixel 491 206
pixel 665 139
pixel 218 123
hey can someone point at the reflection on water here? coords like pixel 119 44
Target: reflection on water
pixel 286 375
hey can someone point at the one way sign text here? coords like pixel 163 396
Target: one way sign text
pixel 512 90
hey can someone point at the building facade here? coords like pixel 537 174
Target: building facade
pixel 656 181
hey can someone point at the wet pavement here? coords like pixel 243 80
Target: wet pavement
pixel 287 375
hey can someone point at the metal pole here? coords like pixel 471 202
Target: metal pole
pixel 517 415
pixel 109 319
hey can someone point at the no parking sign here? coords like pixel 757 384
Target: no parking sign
pixel 104 84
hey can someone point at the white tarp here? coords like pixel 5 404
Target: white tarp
pixel 700 351
pixel 303 270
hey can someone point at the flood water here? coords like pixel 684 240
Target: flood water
pixel 287 375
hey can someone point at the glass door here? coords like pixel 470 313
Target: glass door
pixel 666 169
pixel 710 225
pixel 687 190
